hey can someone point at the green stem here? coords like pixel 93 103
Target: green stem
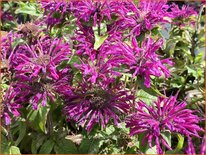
pixel 50 123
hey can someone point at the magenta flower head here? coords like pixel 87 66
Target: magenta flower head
pixel 85 40
pixel 184 12
pixel 100 69
pixel 44 90
pixel 10 105
pixel 97 104
pixel 167 114
pixel 203 146
pixel 144 61
pixel 6 16
pixel 7 49
pixel 144 17
pixel 93 10
pixel 180 14
pixel 42 58
pixel 55 12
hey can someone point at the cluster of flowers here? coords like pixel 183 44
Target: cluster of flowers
pixel 97 98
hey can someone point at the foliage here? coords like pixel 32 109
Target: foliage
pixel 75 74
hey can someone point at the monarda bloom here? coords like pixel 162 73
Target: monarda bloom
pixel 94 11
pixel 6 44
pixel 184 12
pixel 96 104
pixel 180 15
pixel 144 61
pixel 43 90
pixel 101 65
pixel 167 114
pixel 10 105
pixel 42 58
pixel 55 12
pixel 143 17
pixel 85 39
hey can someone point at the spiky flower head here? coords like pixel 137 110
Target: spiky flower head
pixel 144 61
pixel 42 58
pixel 95 104
pixel 10 105
pixel 167 114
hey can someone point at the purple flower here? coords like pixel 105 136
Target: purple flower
pixel 180 14
pixel 167 114
pixel 10 105
pixel 7 49
pixel 144 61
pixel 95 11
pixel 42 90
pixel 184 12
pixel 144 17
pixel 42 58
pixel 97 104
pixel 203 146
pixel 55 12
pixel 101 65
pixel 6 16
pixel 85 40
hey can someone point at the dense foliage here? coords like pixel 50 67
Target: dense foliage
pixel 102 77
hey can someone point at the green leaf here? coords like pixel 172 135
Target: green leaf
pixel 167 137
pixel 22 132
pixel 145 97
pixel 65 146
pixel 199 57
pixel 99 40
pixel 109 130
pixel 179 145
pixel 94 147
pixel 47 147
pixel 84 147
pixel 37 141
pixel 4 145
pixel 38 117
pixel 145 148
pixel 152 91
pixel 89 146
pixel 14 150
pixel 27 8
pixel 180 142
pixel 17 42
pixel 152 150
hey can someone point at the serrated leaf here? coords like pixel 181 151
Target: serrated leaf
pixel 65 146
pixel 180 142
pixel 89 146
pixel 4 145
pixel 36 143
pixel 22 132
pixel 47 147
pixel 84 147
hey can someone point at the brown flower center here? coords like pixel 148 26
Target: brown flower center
pixel 99 98
pixel 42 60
